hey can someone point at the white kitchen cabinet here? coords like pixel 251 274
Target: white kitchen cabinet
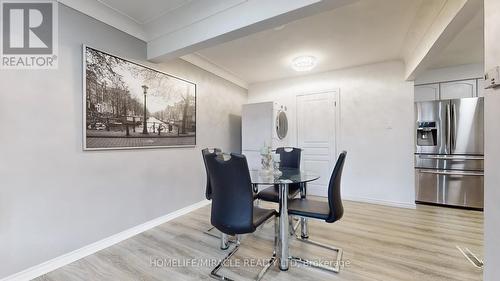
pixel 428 92
pixel 458 89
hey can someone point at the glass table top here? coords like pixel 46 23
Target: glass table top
pixel 288 176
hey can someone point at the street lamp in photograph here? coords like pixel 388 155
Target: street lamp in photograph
pixel 145 124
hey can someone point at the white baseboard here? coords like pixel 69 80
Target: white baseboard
pixel 75 255
pixel 321 192
pixel 381 202
pixel 317 191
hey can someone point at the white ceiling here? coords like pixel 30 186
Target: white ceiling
pixel 144 11
pixel 365 32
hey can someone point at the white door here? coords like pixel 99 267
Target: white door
pixel 316 129
pixel 429 92
pixel 458 89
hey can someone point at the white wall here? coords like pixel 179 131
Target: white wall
pixel 55 198
pixel 376 126
pixel 492 147
pixel 460 72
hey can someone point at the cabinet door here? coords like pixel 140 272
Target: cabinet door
pixel 481 83
pixel 458 89
pixel 429 92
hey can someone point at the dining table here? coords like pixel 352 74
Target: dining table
pixel 283 178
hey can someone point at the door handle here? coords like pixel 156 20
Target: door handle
pixel 453 173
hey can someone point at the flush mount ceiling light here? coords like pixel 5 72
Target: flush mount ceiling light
pixel 303 63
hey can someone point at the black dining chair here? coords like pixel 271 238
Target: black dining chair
pixel 289 158
pixel 233 210
pixel 330 212
pixel 208 189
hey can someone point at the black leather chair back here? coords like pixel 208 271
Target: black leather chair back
pixel 289 157
pixel 204 152
pixel 232 195
pixel 334 197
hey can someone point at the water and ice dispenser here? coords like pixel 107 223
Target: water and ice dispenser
pixel 426 134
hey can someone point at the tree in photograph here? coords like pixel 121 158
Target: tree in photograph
pixel 185 100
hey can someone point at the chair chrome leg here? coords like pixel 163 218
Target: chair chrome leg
pixel 266 268
pixel 293 227
pixel 224 241
pixel 335 268
pixel 277 244
pixel 214 274
pixel 256 202
pixel 304 230
pixel 255 188
pixel 219 266
pixel 229 239
pixel 209 232
pixel 275 250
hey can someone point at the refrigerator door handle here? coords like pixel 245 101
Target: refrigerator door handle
pixel 448 128
pixel 454 128
pixel 452 173
pixel 451 157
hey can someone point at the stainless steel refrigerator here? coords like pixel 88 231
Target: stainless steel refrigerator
pixel 449 158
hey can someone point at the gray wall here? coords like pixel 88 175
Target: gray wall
pixel 491 145
pixel 54 198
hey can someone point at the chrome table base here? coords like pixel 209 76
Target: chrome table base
pixel 284 231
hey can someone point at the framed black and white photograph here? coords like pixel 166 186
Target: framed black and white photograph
pixel 127 105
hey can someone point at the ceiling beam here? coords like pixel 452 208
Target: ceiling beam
pixel 242 19
pixel 107 15
pixel 204 63
pixel 451 20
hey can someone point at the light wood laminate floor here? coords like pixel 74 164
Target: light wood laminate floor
pixel 379 243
